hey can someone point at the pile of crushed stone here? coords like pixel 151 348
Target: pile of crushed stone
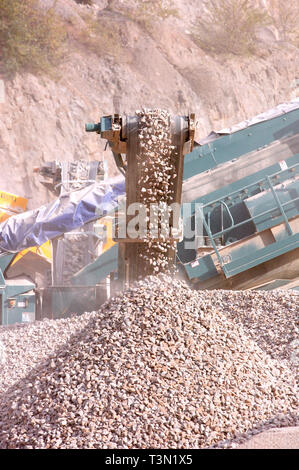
pixel 158 366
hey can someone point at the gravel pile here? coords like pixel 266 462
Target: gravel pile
pixel 23 347
pixel 76 250
pixel 75 255
pixel 2 353
pixel 269 318
pixel 159 366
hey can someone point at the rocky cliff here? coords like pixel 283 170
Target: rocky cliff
pixel 137 64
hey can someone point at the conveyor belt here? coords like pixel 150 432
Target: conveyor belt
pixel 138 259
pixel 205 183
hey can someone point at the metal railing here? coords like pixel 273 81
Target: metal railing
pixel 279 206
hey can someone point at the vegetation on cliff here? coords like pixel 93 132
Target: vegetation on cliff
pixel 31 39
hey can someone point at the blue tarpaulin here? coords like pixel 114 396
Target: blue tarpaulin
pixel 70 211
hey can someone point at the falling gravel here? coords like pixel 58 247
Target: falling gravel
pixel 159 366
pixel 156 175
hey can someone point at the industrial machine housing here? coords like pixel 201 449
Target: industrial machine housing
pixel 244 181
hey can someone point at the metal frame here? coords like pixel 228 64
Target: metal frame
pixel 227 147
pixel 280 206
pixel 14 289
pixel 268 252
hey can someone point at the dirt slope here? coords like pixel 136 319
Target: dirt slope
pixel 43 119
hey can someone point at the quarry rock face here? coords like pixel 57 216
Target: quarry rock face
pixel 43 118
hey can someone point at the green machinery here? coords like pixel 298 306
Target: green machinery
pixel 61 298
pixel 240 189
pixel 251 224
pixel 17 297
pixel 242 185
pixel 35 287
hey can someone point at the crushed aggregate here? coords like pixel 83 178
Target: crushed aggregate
pixel 158 366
